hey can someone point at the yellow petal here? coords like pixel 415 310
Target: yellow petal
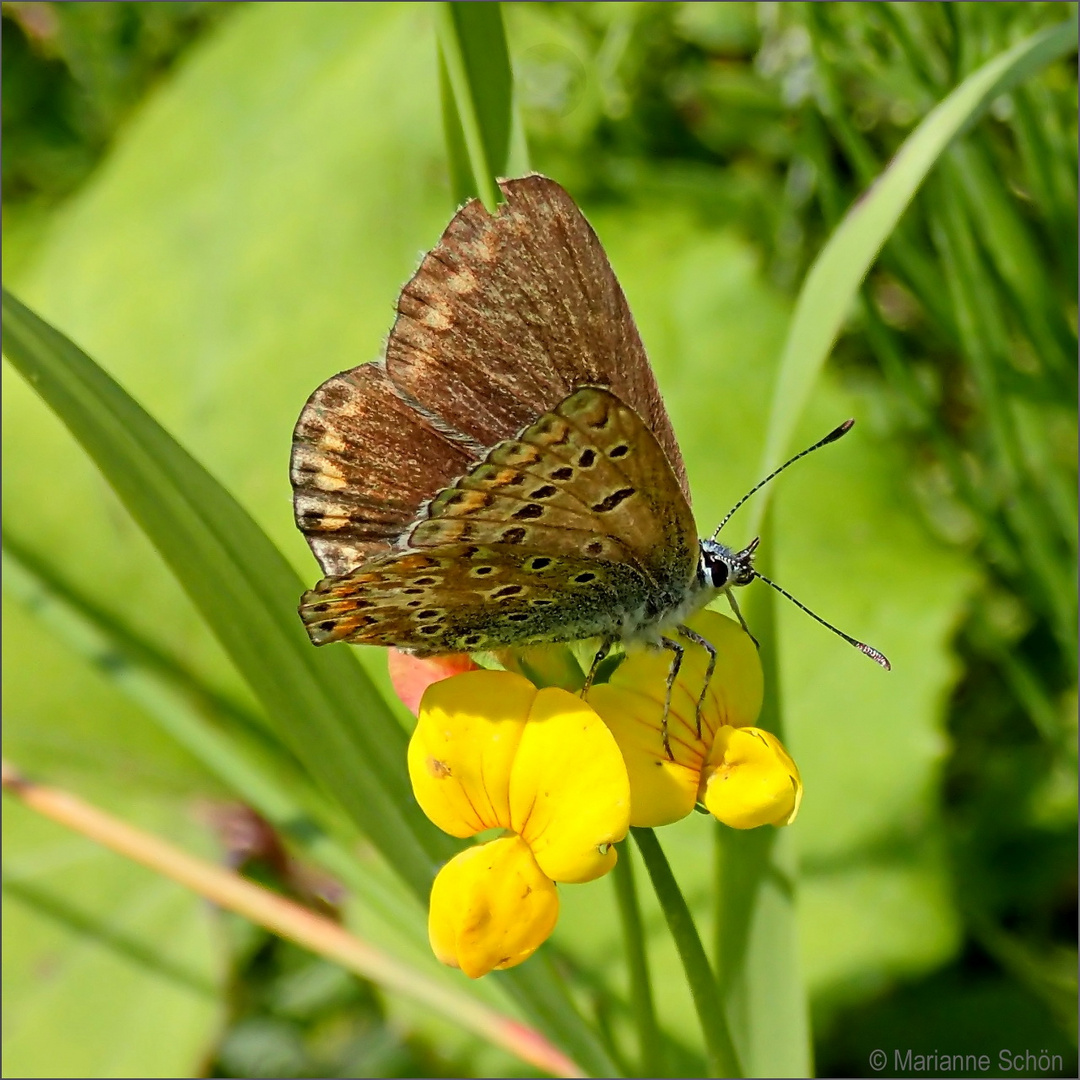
pixel 750 779
pixel 734 693
pixel 463 749
pixel 569 793
pixel 491 907
pixel 632 705
pixel 661 790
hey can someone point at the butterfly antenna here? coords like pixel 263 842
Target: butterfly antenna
pixel 833 435
pixel 877 657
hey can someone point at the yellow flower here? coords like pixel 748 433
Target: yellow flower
pixel 490 751
pixel 742 774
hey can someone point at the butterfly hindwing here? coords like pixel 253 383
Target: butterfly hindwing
pixel 586 479
pixel 565 532
pixel 470 598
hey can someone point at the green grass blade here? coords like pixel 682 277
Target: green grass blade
pixel 229 743
pixel 320 702
pixel 477 89
pixel 756 927
pixel 833 281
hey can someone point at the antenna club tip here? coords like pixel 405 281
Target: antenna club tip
pixel 877 657
pixel 840 431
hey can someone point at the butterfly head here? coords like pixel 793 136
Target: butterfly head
pixel 721 568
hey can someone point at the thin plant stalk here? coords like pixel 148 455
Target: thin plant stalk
pixel 650 1046
pixel 721 1054
pixel 287 919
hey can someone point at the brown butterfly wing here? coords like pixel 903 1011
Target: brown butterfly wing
pixel 363 461
pixel 505 318
pixel 510 313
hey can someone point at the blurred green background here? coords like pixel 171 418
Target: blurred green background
pixel 219 203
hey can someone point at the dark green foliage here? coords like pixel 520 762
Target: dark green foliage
pixel 72 73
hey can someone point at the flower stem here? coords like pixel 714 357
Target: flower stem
pixel 641 999
pixel 722 1056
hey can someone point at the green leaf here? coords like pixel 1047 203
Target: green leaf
pixel 477 98
pixel 774 1018
pixel 112 971
pixel 292 278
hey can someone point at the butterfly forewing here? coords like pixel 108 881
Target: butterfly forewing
pixel 531 291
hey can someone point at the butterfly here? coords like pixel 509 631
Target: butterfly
pixel 507 474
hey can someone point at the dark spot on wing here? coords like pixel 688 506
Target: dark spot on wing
pixel 619 451
pixel 587 457
pixel 564 472
pixel 541 562
pixel 528 511
pixel 544 492
pixel 508 590
pixel 613 500
pixel 513 536
pixel 582 579
pixel 594 547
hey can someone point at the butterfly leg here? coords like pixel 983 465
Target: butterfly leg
pixel 697 639
pixel 742 621
pixel 605 648
pixel 673 674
